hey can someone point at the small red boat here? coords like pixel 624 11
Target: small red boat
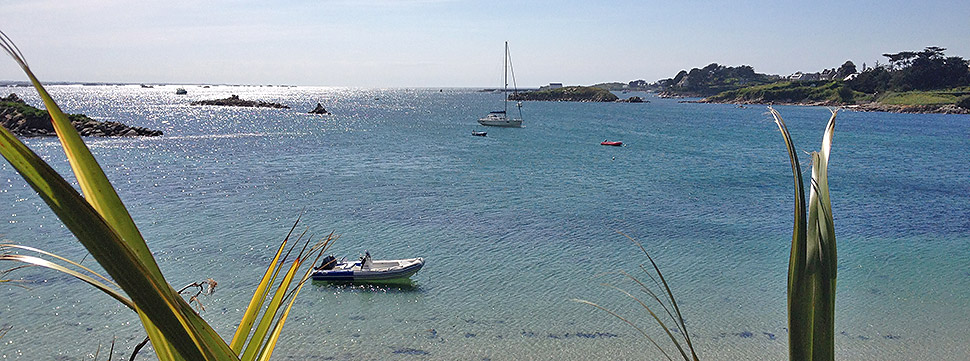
pixel 615 144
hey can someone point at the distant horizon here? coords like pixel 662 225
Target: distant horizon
pixel 4 82
pixel 455 43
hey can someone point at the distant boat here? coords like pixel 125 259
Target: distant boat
pixel 479 134
pixel 181 91
pixel 613 143
pixel 500 118
pixel 147 86
pixel 366 269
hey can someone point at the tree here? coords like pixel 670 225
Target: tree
pixel 929 69
pixel 873 80
pixel 847 68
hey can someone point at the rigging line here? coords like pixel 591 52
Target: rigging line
pixel 515 88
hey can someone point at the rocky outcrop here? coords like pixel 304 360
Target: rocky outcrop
pixel 319 110
pixel 568 94
pixel 864 107
pixel 25 120
pixel 633 99
pixel 925 108
pixel 234 101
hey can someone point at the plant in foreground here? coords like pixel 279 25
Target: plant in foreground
pixel 666 301
pixel 103 225
pixel 811 269
pixel 812 266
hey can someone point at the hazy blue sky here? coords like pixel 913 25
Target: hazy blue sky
pixel 446 43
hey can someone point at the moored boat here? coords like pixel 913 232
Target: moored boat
pixel 479 134
pixel 612 143
pixel 501 118
pixel 366 269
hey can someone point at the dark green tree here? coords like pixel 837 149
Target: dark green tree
pixel 873 80
pixel 915 70
pixel 847 68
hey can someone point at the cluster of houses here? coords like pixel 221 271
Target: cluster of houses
pixel 827 74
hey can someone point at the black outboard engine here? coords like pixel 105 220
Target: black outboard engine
pixel 328 263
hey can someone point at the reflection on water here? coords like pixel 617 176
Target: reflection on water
pixel 384 286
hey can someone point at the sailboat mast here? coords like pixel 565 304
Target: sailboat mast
pixel 505 73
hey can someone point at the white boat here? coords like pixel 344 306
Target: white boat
pixel 501 118
pixel 366 269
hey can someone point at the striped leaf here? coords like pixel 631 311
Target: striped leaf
pixel 813 261
pixel 102 224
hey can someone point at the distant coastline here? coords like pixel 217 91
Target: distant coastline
pixel 925 81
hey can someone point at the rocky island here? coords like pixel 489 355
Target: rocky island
pixel 568 94
pixel 234 101
pixel 633 99
pixel 25 120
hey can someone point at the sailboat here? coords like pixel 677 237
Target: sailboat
pixel 501 118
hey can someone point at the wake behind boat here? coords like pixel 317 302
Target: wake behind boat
pixel 500 118
pixel 366 269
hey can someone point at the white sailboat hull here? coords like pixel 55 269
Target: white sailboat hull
pixel 501 118
pixel 494 120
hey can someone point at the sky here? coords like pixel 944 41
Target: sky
pixel 457 43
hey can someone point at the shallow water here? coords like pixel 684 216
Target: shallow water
pixel 512 225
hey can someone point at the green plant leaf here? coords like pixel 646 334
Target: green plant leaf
pixel 621 318
pixel 104 232
pixel 813 262
pixel 256 302
pixel 274 335
pixel 37 261
pixel 256 343
pixel 49 254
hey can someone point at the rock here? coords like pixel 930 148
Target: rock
pixel 926 108
pixel 234 101
pixel 569 94
pixel 12 98
pixel 633 99
pixel 27 121
pixel 319 110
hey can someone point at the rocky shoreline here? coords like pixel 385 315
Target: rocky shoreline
pixel 864 107
pixel 234 101
pixel 919 109
pixel 27 121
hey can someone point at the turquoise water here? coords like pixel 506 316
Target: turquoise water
pixel 512 225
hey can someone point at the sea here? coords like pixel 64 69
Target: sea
pixel 515 227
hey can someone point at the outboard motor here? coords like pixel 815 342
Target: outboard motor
pixel 328 263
